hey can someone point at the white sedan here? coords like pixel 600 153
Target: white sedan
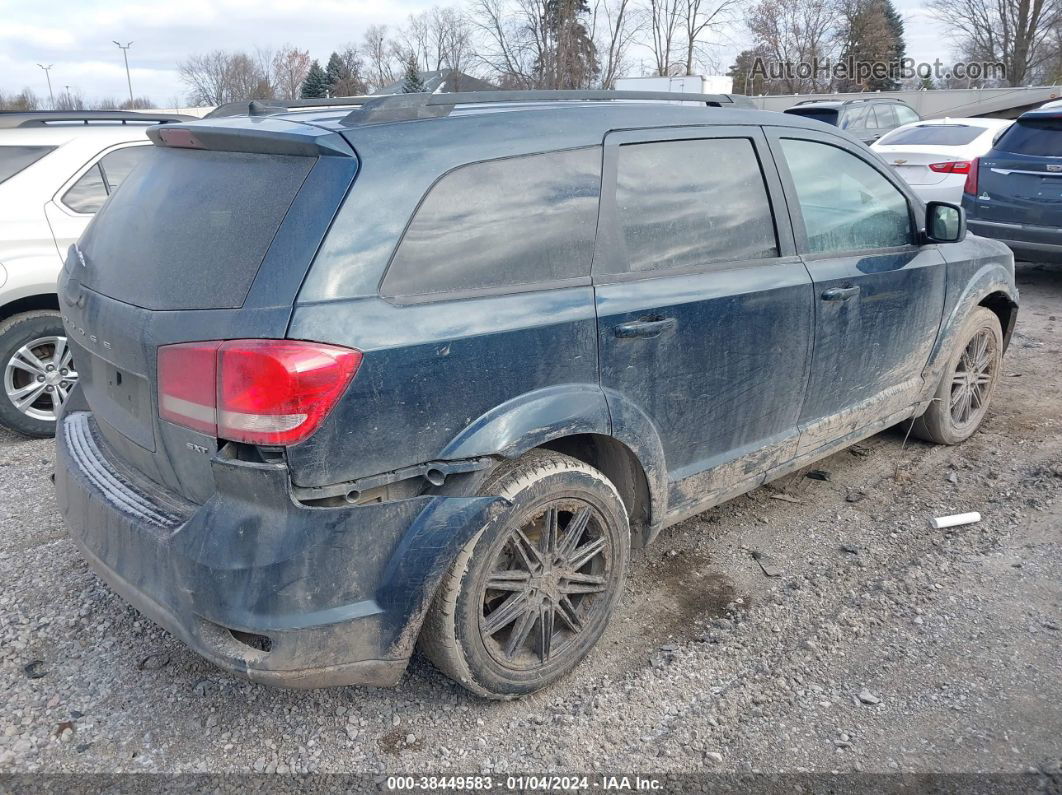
pixel 934 156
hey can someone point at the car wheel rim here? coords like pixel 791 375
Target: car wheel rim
pixel 548 582
pixel 39 376
pixel 971 383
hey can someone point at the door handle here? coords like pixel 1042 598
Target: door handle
pixel 645 328
pixel 839 293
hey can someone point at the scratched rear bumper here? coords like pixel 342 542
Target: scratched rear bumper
pixel 257 583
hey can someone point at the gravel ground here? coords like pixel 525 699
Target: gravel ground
pixel 882 645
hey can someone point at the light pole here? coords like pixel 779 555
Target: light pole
pixel 125 54
pixel 47 69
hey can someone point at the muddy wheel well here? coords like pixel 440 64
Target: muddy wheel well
pixel 620 465
pixel 31 303
pixel 1005 310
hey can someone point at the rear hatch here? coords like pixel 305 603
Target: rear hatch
pixel 208 239
pixel 1020 180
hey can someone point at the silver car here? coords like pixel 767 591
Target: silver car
pixel 56 170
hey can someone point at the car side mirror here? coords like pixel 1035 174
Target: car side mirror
pixel 945 223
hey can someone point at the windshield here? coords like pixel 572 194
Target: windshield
pixel 933 135
pixel 14 159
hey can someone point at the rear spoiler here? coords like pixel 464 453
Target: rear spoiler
pixel 261 136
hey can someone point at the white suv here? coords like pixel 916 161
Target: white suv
pixel 56 170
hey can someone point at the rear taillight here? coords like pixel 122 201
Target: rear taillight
pixel 971 177
pixel 271 392
pixel 951 167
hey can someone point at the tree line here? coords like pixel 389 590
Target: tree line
pixel 574 44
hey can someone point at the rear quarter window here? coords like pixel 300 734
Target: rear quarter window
pixel 1039 137
pixel 520 221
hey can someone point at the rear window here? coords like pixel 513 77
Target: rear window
pixel 933 135
pixel 1041 137
pixel 189 228
pixel 14 159
pixel 503 223
pixel 825 115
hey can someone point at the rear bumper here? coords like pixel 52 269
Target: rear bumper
pixel 1031 243
pixel 316 597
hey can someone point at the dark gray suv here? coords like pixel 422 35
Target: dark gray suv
pixel 426 370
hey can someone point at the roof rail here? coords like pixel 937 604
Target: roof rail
pixel 826 98
pixel 265 107
pixel 401 107
pixel 43 118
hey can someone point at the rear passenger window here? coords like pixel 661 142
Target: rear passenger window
pixel 846 203
pixel 503 223
pixel 685 204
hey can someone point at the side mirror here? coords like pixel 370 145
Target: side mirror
pixel 945 223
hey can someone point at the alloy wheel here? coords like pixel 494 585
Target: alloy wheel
pixel 548 580
pixel 39 376
pixel 971 383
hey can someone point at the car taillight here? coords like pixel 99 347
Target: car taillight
pixel 952 167
pixel 272 392
pixel 971 177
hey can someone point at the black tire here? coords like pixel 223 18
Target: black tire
pixel 456 634
pixel 951 418
pixel 15 333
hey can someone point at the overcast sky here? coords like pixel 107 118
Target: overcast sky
pixel 76 37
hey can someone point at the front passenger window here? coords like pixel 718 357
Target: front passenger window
pixel 846 203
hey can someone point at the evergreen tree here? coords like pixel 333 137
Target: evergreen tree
pixel 335 71
pixel 411 82
pixel 899 46
pixel 570 60
pixel 315 86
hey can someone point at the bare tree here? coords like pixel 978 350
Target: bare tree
pixel 1016 33
pixel 289 68
pixel 665 30
pixel 614 28
pixel 699 18
pixel 793 33
pixel 509 39
pixel 23 101
pixel 380 55
pixel 217 77
pixel 70 100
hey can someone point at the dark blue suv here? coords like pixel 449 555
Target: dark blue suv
pixel 424 369
pixel 1014 193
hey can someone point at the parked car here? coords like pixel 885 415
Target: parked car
pixel 431 368
pixel 934 157
pixel 866 119
pixel 56 170
pixel 1014 192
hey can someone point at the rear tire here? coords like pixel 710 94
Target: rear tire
pixel 36 372
pixel 528 597
pixel 967 384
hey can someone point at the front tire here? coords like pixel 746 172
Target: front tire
pixel 37 372
pixel 528 597
pixel 967 384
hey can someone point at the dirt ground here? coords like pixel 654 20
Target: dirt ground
pixel 883 645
